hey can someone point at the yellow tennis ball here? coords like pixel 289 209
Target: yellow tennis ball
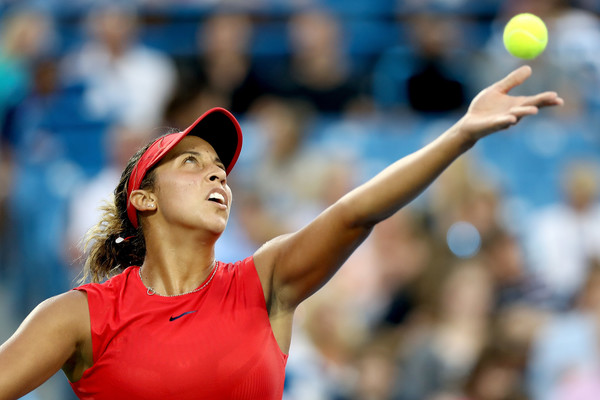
pixel 525 36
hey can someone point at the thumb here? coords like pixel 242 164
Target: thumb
pixel 498 124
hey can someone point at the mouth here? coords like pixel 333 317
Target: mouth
pixel 218 196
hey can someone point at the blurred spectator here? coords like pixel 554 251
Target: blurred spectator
pixel 565 359
pixel 402 251
pixel 449 6
pixel 337 352
pixel 35 160
pixel 24 118
pixel 451 191
pixel 42 182
pixel 335 324
pixel 25 35
pixel 480 208
pixel 223 69
pixel 464 204
pixel 440 356
pixel 564 237
pixel 499 373
pixel 320 71
pixel 428 74
pixel 325 347
pixel 49 127
pixel 576 47
pixel 125 80
pixel 36 124
pixel 514 284
pixel 376 372
pixel 437 82
pixel 290 176
pixel 495 376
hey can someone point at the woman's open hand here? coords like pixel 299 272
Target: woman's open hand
pixel 493 109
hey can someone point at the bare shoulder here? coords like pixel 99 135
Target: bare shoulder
pixel 67 315
pixel 69 307
pixel 267 254
pixel 270 253
pixel 265 259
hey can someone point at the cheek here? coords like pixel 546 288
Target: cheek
pixel 173 193
pixel 230 194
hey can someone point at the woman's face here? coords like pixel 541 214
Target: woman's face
pixel 191 187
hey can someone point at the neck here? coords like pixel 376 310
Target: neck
pixel 176 265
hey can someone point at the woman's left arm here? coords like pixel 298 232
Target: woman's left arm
pixel 294 266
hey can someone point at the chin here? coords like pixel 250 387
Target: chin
pixel 216 227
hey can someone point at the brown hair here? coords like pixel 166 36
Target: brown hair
pixel 107 257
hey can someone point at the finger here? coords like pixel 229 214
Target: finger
pixel 521 111
pixel 504 122
pixel 544 99
pixel 515 78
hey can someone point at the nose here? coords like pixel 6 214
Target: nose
pixel 218 175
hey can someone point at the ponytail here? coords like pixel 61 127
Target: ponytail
pixel 114 244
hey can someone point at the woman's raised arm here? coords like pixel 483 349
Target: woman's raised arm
pixel 55 335
pixel 294 266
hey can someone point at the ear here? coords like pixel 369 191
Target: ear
pixel 143 200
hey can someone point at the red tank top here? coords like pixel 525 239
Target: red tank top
pixel 216 343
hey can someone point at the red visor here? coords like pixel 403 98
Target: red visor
pixel 217 126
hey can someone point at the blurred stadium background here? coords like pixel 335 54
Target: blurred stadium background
pixel 487 287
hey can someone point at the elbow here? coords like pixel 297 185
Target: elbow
pixel 352 216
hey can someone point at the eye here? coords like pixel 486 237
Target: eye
pixel 220 164
pixel 190 159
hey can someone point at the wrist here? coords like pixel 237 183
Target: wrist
pixel 463 136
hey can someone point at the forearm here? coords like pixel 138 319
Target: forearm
pixel 404 180
pixel 492 110
pixel 298 264
pixel 310 256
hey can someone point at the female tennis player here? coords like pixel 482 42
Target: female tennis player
pixel 171 322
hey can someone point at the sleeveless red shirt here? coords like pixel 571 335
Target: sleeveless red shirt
pixel 216 343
